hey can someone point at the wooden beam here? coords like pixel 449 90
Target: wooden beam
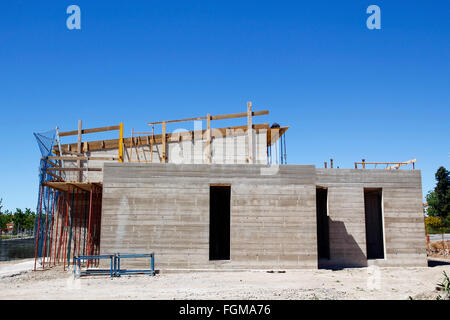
pixel 173 121
pixel 82 158
pixel 164 157
pixel 73 169
pixel 208 138
pixel 250 132
pixel 93 130
pixel 69 186
pixel 71 152
pixel 273 134
pixel 55 176
pixel 80 186
pixel 389 165
pixel 80 174
pixel 398 165
pixel 151 146
pixel 239 115
pixel 219 117
pixel 52 163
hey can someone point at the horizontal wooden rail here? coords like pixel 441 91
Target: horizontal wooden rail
pixel 74 169
pixel 68 158
pixel 93 130
pixel 219 117
pixel 389 165
pixel 55 176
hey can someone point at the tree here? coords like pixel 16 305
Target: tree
pixel 19 220
pixel 439 199
pixel 432 204
pixel 29 220
pixel 23 220
pixel 5 218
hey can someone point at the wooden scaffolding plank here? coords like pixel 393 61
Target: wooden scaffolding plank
pixel 218 117
pixel 93 130
pixel 250 132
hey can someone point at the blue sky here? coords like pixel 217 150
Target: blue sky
pixel 346 92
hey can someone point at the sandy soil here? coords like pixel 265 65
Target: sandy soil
pixel 361 283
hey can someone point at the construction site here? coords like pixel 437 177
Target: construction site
pixel 218 213
pixel 220 198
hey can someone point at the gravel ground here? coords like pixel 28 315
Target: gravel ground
pixel 357 283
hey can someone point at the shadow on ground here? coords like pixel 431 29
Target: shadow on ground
pixel 435 263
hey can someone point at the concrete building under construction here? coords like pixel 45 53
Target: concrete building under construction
pixel 222 198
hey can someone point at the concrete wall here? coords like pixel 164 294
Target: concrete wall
pixel 404 231
pixel 165 209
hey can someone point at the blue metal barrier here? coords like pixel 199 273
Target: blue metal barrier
pixel 115 270
pixel 78 259
pixel 118 271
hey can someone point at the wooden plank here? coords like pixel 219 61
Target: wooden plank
pixel 250 132
pixel 239 115
pixel 52 163
pixel 55 176
pixel 151 146
pixel 402 164
pixel 208 138
pixel 163 137
pixel 68 186
pixel 80 174
pixel 73 169
pixel 219 117
pixel 85 131
pixel 70 152
pixel 83 158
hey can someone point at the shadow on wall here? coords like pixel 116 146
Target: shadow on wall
pixel 345 252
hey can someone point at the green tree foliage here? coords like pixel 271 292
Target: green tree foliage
pixel 439 199
pixel 23 220
pixel 5 216
pixel 432 204
pixel 30 218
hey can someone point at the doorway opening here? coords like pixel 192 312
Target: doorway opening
pixel 323 230
pixel 374 223
pixel 219 222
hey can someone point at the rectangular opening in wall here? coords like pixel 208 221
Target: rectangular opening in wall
pixel 374 223
pixel 323 233
pixel 219 222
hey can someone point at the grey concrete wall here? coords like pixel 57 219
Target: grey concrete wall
pixel 165 208
pixel 404 231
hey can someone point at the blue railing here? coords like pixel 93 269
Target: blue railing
pixel 119 271
pixel 115 270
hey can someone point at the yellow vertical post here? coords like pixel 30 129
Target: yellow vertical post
pixel 121 142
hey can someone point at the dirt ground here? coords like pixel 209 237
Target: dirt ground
pixel 358 283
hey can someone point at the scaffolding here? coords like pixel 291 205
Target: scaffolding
pixel 68 215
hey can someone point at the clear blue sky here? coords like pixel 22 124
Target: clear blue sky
pixel 346 92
